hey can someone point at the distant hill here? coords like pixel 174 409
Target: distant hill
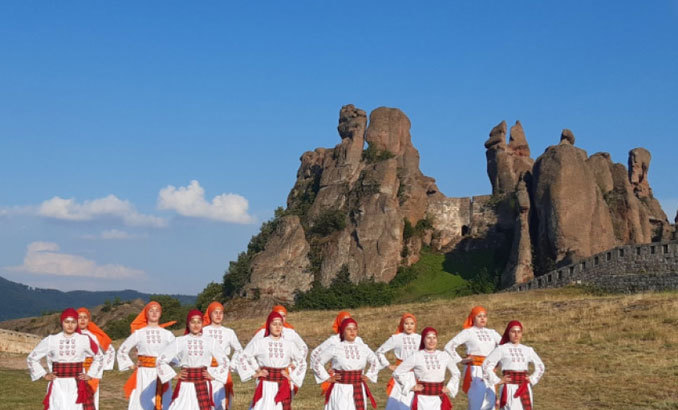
pixel 20 300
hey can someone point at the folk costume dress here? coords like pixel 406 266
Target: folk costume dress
pixel 194 354
pixel 429 371
pixel 514 360
pixel 349 360
pixel 288 332
pixel 479 342
pixel 104 343
pixel 335 339
pixel 227 339
pixel 273 392
pixel 143 388
pixel 65 356
pixel 403 346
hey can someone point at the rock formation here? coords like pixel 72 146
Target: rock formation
pixel 506 163
pixel 351 204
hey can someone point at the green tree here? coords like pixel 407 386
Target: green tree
pixel 212 292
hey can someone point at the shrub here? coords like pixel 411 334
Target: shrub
pixel 119 329
pixel 212 292
pixel 372 154
pixel 328 222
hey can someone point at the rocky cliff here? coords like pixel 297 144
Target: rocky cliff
pixel 356 206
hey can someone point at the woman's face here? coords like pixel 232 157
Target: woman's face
pixel 69 325
pixel 480 320
pixel 409 325
pixel 153 314
pixel 350 332
pixel 431 341
pixel 83 320
pixel 516 334
pixel 217 316
pixel 195 325
pixel 276 327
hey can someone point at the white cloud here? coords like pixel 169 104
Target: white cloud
pixel 113 234
pixel 110 206
pixel 45 258
pixel 190 201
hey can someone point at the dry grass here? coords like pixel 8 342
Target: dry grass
pixel 602 352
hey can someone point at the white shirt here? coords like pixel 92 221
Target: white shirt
pixel 347 356
pixel 269 352
pixel 109 355
pixel 330 341
pixel 515 358
pixel 64 348
pixel 428 367
pixel 479 341
pixel 403 346
pixel 149 341
pixel 227 339
pixel 289 334
pixel 193 351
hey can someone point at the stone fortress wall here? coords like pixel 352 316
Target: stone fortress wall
pixel 627 268
pixel 17 342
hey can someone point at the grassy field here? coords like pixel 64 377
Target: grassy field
pixel 600 351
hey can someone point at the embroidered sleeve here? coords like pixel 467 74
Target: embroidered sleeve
pixel 319 365
pixel 402 371
pixel 169 353
pixel 453 383
pixel 458 340
pixel 388 345
pixel 489 364
pixel 220 373
pixel 299 371
pixel 301 345
pixel 247 365
pixel 33 360
pixel 373 361
pixel 538 367
pixel 124 362
pixel 96 370
pixel 109 358
pixel 237 349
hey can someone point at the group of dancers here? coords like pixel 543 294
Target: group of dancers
pixel 276 358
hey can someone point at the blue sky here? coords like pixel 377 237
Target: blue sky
pixel 110 111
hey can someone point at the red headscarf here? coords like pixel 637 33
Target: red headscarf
pixel 207 318
pixel 141 320
pixel 281 310
pixel 191 314
pixel 343 325
pixel 427 330
pixel 474 312
pixel 506 337
pixel 271 316
pixel 401 325
pixel 72 313
pixel 340 318
pixel 102 337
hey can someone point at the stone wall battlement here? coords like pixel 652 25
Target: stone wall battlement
pixel 626 268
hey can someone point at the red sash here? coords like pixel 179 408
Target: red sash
pixel 353 377
pixel 66 370
pixel 284 395
pixel 523 391
pixel 432 389
pixel 203 387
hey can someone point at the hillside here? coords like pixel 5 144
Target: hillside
pixel 20 300
pixel 601 351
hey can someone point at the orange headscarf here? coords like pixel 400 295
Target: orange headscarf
pixel 102 337
pixel 401 325
pixel 281 310
pixel 207 318
pixel 141 320
pixel 340 318
pixel 474 312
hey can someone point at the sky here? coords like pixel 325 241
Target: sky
pixel 142 144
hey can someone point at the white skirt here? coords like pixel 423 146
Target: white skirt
pixel 64 394
pixel 187 399
pixel 219 396
pixel 267 400
pixel 398 400
pixel 514 403
pixel 480 395
pixel 143 396
pixel 342 398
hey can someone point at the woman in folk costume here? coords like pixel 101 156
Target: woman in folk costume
pixel 348 389
pixel 87 327
pixel 269 360
pixel 227 339
pixel 194 353
pixel 428 366
pixel 288 331
pixel 513 357
pixel 404 343
pixel 479 342
pixel 330 341
pixel 143 388
pixel 66 353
